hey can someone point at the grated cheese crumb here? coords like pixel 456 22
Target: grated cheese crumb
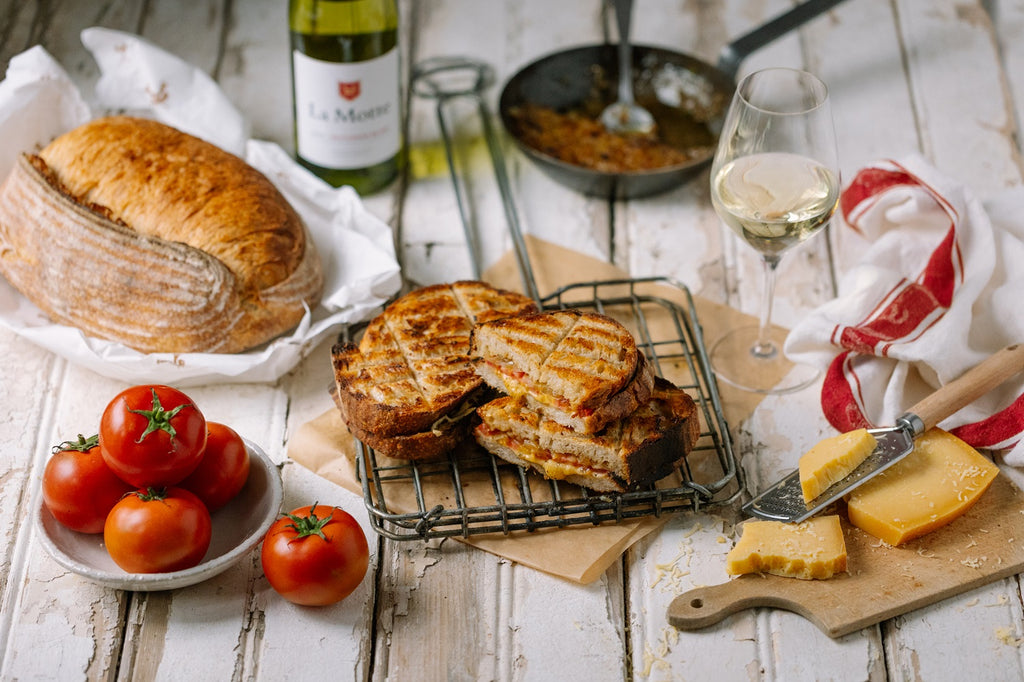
pixel 654 657
pixel 1001 601
pixel 1006 637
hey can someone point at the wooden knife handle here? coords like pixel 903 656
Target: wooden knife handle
pixel 971 385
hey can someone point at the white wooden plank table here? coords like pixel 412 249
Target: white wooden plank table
pixel 943 78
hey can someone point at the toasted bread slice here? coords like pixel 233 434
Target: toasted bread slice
pixel 636 450
pixel 412 367
pixel 581 369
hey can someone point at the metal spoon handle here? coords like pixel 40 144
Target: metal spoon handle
pixel 623 15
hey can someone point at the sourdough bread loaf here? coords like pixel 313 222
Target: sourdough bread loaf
pixel 135 232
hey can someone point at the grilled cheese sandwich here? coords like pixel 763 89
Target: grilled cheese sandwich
pixel 633 451
pixel 581 369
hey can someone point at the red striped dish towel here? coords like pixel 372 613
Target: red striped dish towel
pixel 939 287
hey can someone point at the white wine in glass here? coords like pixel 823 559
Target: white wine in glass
pixel 775 183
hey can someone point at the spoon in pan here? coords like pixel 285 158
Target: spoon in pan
pixel 625 115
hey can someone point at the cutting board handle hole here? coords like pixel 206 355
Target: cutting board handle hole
pixel 697 603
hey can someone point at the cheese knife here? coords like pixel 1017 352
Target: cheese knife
pixel 784 501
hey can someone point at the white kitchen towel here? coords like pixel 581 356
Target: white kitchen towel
pixel 939 287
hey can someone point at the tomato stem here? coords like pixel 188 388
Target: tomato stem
pixel 305 526
pixel 83 444
pixel 151 494
pixel 159 418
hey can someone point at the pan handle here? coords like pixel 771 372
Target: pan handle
pixel 739 49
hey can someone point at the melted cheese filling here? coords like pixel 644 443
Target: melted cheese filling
pixel 557 465
pixel 518 383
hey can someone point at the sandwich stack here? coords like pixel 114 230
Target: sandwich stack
pixel 581 402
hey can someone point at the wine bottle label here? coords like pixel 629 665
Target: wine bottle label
pixel 346 114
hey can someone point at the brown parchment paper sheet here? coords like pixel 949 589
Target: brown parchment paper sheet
pixel 580 553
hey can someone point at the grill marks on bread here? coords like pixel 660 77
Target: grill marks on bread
pixel 583 369
pixel 581 357
pixel 412 365
pixel 431 335
pixel 580 404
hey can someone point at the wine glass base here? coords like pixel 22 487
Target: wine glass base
pixel 736 362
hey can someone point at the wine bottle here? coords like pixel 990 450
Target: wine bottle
pixel 345 90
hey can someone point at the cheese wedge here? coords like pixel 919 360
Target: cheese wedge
pixel 811 550
pixel 832 460
pixel 933 485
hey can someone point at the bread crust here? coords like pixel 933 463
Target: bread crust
pixel 415 447
pixel 372 413
pixel 137 233
pixel 421 446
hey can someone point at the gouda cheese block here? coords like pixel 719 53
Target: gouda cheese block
pixel 812 549
pixel 933 485
pixel 832 460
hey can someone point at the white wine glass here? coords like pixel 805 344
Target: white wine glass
pixel 775 183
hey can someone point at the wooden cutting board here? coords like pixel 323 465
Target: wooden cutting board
pixel 984 545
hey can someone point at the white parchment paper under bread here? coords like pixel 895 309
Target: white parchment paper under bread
pixel 39 101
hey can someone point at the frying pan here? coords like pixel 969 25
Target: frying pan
pixel 688 97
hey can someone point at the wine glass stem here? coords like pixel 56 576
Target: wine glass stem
pixel 765 348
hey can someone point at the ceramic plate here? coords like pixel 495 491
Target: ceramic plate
pixel 238 526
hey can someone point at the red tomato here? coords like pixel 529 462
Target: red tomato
pixel 79 488
pixel 158 531
pixel 152 436
pixel 315 559
pixel 223 470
